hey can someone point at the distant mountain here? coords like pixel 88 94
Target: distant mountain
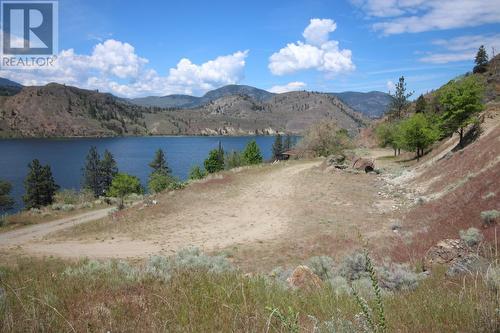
pixel 233 89
pixel 9 88
pixel 187 101
pixel 169 101
pixel 372 104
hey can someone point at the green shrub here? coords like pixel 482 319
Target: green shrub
pixel 197 173
pixel 160 181
pixel 233 160
pixel 471 236
pixel 489 217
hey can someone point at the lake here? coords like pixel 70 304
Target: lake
pixel 66 157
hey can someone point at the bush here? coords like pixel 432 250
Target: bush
pixel 233 160
pixel 322 266
pixel 67 208
pixel 490 217
pixel 353 267
pixel 471 236
pixel 325 138
pixel 160 181
pixel 197 173
pixel 280 275
pixel 193 258
pixel 398 277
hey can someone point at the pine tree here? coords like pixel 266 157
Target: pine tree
pixel 213 162
pixel 39 185
pixel 159 163
pixel 481 60
pixel 92 178
pixel 48 186
pixel 6 201
pixel 421 104
pixel 251 155
pixel 278 147
pixel 108 170
pixel 399 100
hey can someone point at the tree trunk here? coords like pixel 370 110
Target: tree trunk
pixel 395 152
pixel 399 151
pixel 461 133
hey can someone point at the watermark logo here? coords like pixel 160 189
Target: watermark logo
pixel 29 33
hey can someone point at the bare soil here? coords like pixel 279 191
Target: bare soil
pixel 261 217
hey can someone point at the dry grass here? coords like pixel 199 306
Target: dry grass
pixel 38 296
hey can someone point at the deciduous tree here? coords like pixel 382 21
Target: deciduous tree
pixel 462 100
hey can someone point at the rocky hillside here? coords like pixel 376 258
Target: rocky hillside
pixel 242 115
pixel 61 111
pixel 56 110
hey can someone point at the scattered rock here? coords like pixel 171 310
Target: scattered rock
pixel 303 278
pixel 470 263
pixel 445 251
pixel 457 255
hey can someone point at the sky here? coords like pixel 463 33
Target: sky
pixel 142 48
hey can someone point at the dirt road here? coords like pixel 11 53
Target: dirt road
pixel 37 232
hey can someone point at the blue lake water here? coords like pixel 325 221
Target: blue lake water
pixel 66 157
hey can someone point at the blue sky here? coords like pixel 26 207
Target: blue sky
pixel 133 48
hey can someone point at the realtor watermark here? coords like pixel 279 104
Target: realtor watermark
pixel 29 36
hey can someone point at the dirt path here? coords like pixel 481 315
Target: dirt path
pixel 262 216
pixel 36 232
pixel 249 209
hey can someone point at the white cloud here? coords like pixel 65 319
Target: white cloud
pixel 463 48
pixel 400 16
pixel 317 52
pixel 318 31
pixel 291 86
pixel 114 66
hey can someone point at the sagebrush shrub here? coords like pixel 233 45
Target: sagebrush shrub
pixel 398 277
pixel 489 217
pixel 322 266
pixel 471 236
pixel 353 267
pixel 193 258
pixel 281 275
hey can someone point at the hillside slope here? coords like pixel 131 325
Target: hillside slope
pixel 242 115
pixel 56 110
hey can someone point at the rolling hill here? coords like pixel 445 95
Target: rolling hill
pixel 372 104
pixel 57 110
